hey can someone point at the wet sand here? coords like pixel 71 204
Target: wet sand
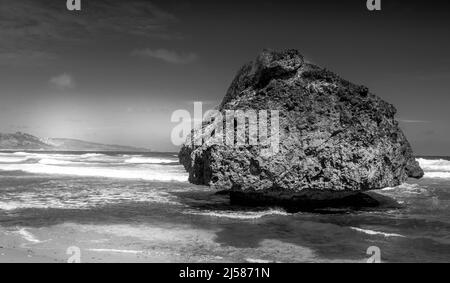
pixel 129 244
pixel 133 220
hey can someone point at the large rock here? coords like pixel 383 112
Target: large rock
pixel 336 138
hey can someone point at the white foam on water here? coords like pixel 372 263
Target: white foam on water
pixel 82 198
pixel 255 260
pixel 434 164
pixel 388 189
pixel 437 175
pixel 151 173
pixel 28 236
pixel 100 158
pixel 87 155
pixel 49 161
pixel 115 251
pixel 149 160
pixel 61 195
pixel 43 158
pixel 435 168
pixel 242 215
pixel 43 155
pixel 375 233
pixel 13 205
pixel 406 188
pixel 64 159
pixel 13 159
pixel 19 153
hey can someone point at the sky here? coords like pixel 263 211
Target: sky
pixel 115 71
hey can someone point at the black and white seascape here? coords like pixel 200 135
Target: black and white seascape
pixel 140 208
pixel 224 132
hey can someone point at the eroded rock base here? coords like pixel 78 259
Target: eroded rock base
pixel 343 203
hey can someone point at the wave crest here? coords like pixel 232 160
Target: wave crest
pixel 149 160
pixel 241 215
pixel 96 165
pixel 435 168
pixel 376 233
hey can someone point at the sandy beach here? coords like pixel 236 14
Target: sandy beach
pixel 100 244
pixel 47 215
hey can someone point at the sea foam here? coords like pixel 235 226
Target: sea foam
pixel 435 168
pixel 95 165
pixel 441 165
pixel 241 215
pixel 376 233
pixel 28 236
pixel 149 160
pixel 81 197
pixel 13 159
pixel 153 173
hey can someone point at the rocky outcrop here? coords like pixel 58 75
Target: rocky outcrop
pixel 24 141
pixel 336 138
pixel 21 140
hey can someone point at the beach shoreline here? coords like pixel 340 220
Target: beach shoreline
pixel 46 216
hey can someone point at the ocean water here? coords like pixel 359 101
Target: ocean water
pixel 142 203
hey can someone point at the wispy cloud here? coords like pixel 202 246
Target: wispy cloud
pixel 63 81
pixel 165 55
pixel 34 26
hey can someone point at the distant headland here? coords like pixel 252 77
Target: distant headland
pixel 24 141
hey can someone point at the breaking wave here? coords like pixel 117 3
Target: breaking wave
pixel 242 215
pixel 435 168
pixel 376 233
pixel 153 173
pixel 149 160
pixel 57 162
pixel 12 159
pixel 434 165
pixel 115 251
pixel 437 175
pixel 96 165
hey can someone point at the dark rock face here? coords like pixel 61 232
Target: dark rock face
pixel 336 138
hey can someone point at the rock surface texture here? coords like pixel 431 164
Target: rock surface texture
pixel 336 138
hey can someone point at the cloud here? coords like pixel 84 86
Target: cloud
pixel 166 55
pixel 51 20
pixel 63 82
pixel 33 26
